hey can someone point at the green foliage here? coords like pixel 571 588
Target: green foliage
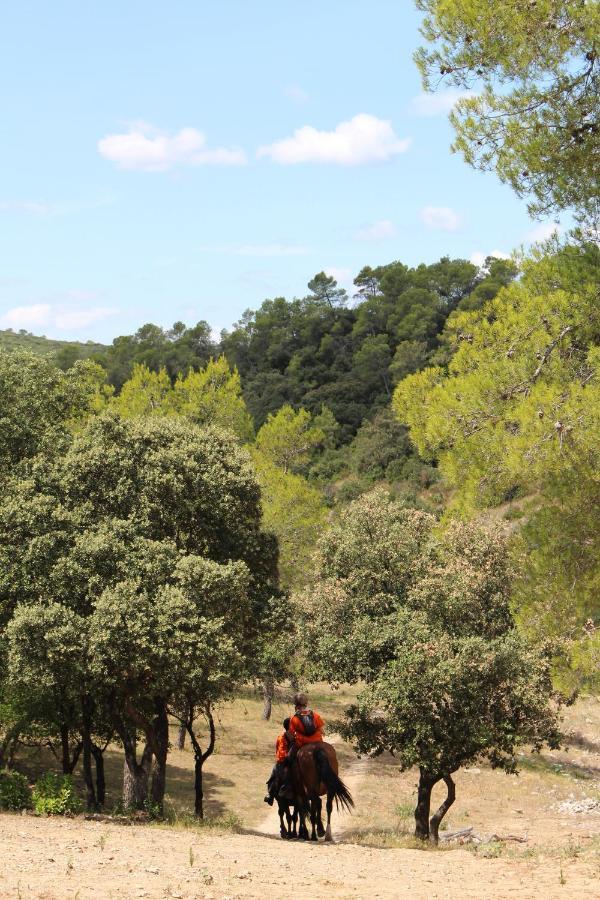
pixel 65 353
pixel 55 795
pixel 213 396
pixel 294 511
pixel 39 404
pixel 532 70
pixel 177 350
pixel 134 573
pixel 423 619
pixel 288 439
pixel 15 793
pixel 315 351
pixel 210 396
pixel 518 410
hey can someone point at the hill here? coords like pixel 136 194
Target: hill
pixel 43 346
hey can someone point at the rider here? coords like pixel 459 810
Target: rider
pixel 306 725
pixel 282 747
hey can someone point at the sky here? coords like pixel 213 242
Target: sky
pixel 180 161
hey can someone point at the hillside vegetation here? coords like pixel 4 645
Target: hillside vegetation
pixel 65 352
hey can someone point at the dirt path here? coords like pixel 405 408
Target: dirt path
pixel 55 859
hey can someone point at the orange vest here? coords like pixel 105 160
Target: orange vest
pixel 297 729
pixel 281 747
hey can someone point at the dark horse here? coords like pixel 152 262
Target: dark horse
pixel 314 775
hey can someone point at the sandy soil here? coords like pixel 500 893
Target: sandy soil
pixel 54 859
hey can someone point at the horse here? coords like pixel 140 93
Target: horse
pixel 287 808
pixel 314 775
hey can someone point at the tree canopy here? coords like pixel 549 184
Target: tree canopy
pixel 529 73
pixel 424 621
pixel 518 412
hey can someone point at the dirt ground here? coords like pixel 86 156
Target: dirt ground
pixel 553 806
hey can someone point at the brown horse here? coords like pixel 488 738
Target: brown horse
pixel 316 774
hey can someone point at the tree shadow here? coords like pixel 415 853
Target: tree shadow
pixel 576 739
pixel 552 766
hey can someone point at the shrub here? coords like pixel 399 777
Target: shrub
pixel 14 791
pixel 55 795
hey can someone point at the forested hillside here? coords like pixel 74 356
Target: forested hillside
pixel 65 352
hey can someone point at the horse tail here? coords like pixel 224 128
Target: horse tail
pixel 335 786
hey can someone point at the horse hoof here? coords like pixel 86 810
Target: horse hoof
pixel 320 831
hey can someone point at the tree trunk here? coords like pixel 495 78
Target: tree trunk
pixel 159 769
pixel 200 757
pixel 434 822
pixel 86 739
pixel 98 754
pixel 65 750
pixel 268 689
pixel 426 783
pixel 135 775
pixel 198 787
pixel 181 733
pixel 68 762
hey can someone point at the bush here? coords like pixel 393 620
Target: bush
pixel 55 795
pixel 14 791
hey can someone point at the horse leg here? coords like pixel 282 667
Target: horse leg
pixel 282 828
pixel 295 822
pixel 320 829
pixel 303 832
pixel 328 836
pixel 313 820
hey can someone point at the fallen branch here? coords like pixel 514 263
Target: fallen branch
pixel 467 836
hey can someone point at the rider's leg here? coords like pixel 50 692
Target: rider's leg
pixel 273 784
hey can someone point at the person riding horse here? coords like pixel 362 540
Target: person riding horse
pixel 304 727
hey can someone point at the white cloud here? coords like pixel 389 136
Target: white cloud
pixel 296 93
pixel 478 258
pixel 256 249
pixel 60 317
pixel 440 217
pixel 439 103
pixel 363 139
pixel 542 232
pixel 27 316
pixel 149 150
pixel 378 231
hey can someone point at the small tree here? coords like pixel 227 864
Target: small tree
pixel 425 621
pixel 288 438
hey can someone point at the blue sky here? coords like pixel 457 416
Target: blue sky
pixel 185 160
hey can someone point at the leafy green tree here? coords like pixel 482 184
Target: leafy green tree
pixel 410 357
pixel 325 290
pixel 294 511
pixel 146 393
pixel 533 73
pixel 518 411
pixel 39 403
pixel 288 439
pixel 142 528
pixel 372 363
pixel 424 622
pixel 209 396
pixel 213 396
